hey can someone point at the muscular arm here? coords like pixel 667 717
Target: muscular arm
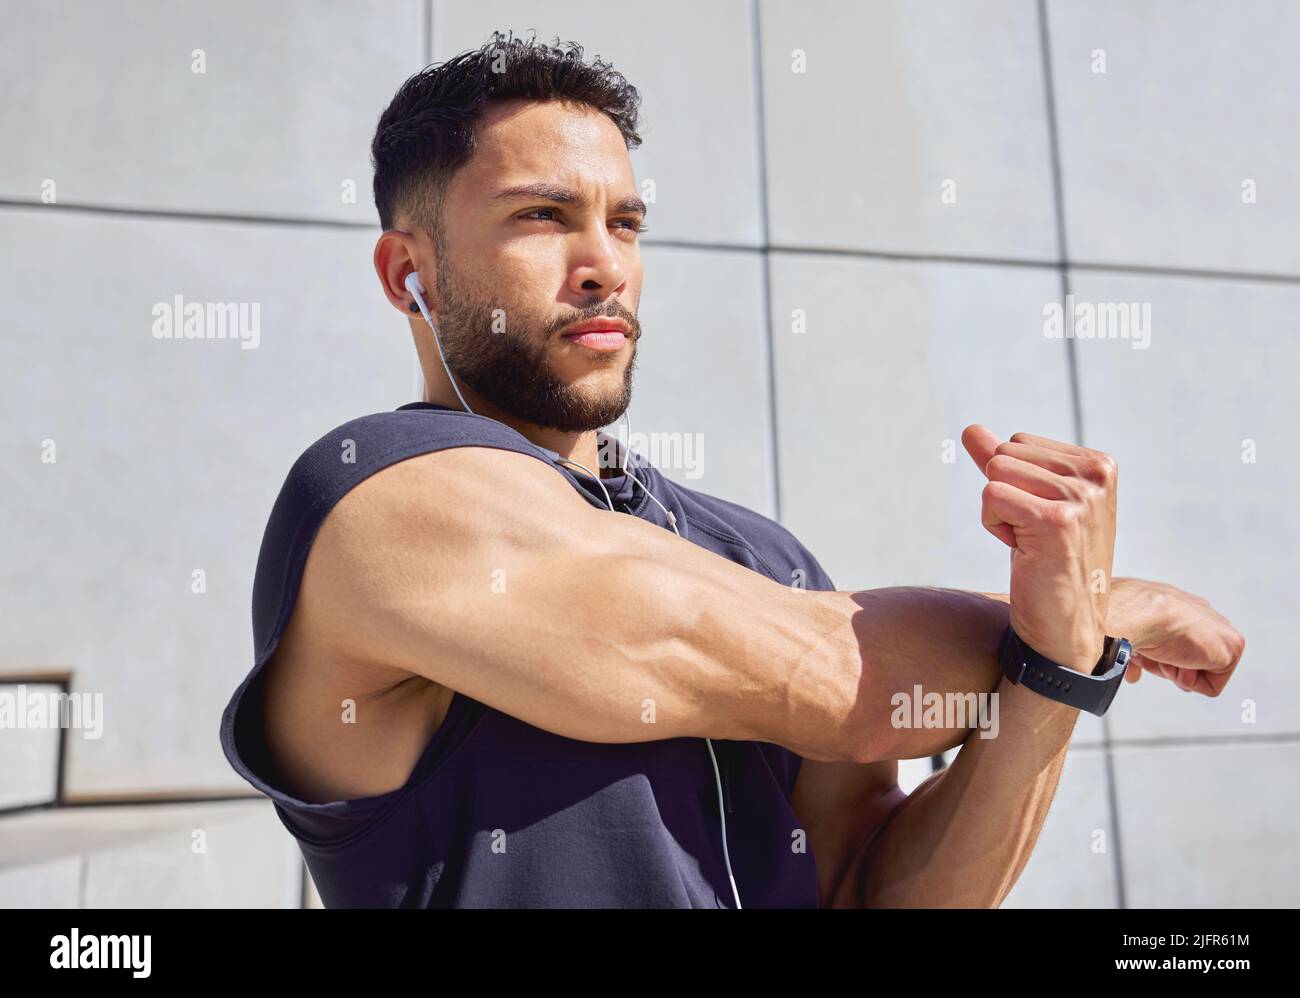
pixel 963 837
pixel 606 628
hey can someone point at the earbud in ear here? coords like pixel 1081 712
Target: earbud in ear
pixel 414 286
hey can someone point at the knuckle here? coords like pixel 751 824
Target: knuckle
pixel 1103 469
pixel 1093 492
pixel 1061 514
pixel 1161 604
pixel 1110 468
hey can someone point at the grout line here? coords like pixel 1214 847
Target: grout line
pixel 769 336
pixel 1053 137
pixel 1202 274
pixel 420 386
pixel 1199 741
pixel 1156 742
pixel 428 33
pixel 903 256
pixel 1112 804
pixel 756 12
pixel 182 215
pixel 1141 269
pixel 1058 209
pixel 1076 404
pixel 126 800
pixel 1072 368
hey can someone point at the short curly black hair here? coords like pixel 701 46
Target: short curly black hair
pixel 426 134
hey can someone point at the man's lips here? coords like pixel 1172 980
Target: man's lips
pixel 599 334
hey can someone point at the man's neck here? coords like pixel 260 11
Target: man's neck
pixel 582 447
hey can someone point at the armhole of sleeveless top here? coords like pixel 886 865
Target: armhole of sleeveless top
pixel 334 823
pixel 313 487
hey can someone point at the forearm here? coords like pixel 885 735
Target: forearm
pixel 964 836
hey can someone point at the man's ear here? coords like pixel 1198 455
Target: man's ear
pixel 397 254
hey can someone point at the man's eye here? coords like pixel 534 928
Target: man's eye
pixel 630 224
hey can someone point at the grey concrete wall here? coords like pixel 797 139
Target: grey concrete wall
pixel 801 154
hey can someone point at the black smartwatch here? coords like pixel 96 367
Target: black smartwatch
pixel 1091 692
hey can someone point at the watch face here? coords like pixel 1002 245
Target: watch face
pixel 1116 658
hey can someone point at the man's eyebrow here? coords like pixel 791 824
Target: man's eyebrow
pixel 565 195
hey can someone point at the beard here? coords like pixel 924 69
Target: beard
pixel 512 370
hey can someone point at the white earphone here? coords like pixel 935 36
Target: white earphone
pixel 414 286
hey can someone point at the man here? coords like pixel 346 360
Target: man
pixel 476 685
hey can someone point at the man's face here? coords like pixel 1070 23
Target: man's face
pixel 518 268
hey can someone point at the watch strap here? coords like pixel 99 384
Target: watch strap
pixel 1091 692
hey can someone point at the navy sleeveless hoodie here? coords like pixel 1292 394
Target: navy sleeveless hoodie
pixel 496 812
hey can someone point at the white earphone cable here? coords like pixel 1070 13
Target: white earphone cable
pixel 413 285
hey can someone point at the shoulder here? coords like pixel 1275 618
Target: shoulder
pixel 355 452
pixel 361 446
pixel 347 462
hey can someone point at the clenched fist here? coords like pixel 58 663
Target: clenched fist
pixel 1053 504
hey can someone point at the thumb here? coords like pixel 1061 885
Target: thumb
pixel 980 443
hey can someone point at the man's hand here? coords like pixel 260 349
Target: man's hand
pixel 1053 504
pixel 1177 635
